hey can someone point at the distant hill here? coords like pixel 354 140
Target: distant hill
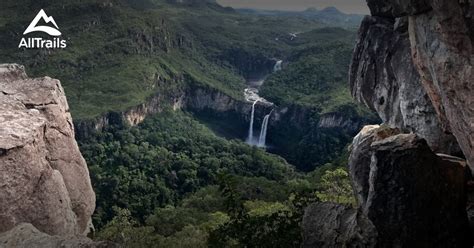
pixel 330 16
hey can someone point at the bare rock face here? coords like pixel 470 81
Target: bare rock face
pixel 417 56
pixel 26 236
pixel 416 198
pixel 383 77
pixel 407 195
pixel 44 179
pixel 442 48
pixel 413 65
pixel 332 225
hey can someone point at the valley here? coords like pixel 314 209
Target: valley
pixel 198 122
pixel 183 123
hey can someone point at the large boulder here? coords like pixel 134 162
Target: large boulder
pixel 415 197
pixel 44 179
pixel 408 196
pixel 332 225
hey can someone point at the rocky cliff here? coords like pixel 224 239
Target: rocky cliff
pixel 413 65
pixel 44 178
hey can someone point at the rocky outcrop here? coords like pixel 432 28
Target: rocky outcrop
pixel 383 77
pixel 44 179
pixel 414 197
pixel 417 57
pixel 198 99
pixel 413 65
pixel 337 226
pixel 26 235
pixel 407 195
pixel 442 48
pixel 338 120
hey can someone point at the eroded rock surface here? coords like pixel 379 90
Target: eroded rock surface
pixel 44 179
pixel 415 197
pixel 332 225
pixel 26 236
pixel 442 48
pixel 384 78
pixel 408 196
pixel 413 65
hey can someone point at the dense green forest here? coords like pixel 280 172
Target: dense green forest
pixel 170 182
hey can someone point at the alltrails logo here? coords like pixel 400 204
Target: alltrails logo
pixel 40 42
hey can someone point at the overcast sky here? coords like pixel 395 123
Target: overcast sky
pixel 348 6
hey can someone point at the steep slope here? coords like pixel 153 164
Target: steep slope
pixel 144 49
pixel 127 60
pixel 45 180
pixel 410 195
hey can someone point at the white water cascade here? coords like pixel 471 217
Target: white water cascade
pixel 251 95
pixel 250 137
pixel 263 131
pixel 277 66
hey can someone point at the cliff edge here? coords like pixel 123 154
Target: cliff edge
pixel 44 179
pixel 412 176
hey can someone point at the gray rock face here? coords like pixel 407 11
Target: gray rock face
pixel 26 236
pixel 383 77
pixel 418 76
pixel 44 179
pixel 442 48
pixel 337 226
pixel 408 197
pixel 416 198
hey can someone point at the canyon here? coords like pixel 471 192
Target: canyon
pixel 411 175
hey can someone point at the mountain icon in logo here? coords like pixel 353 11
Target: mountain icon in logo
pixel 49 30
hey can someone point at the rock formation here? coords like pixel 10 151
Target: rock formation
pixel 408 197
pixel 413 65
pixel 384 78
pixel 26 236
pixel 338 226
pixel 44 179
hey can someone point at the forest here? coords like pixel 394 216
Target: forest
pixel 171 181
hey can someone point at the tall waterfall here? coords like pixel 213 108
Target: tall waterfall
pixel 277 66
pixel 263 131
pixel 250 138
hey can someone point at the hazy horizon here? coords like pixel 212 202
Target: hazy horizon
pixel 347 6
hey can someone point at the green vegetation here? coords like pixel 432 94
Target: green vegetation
pixel 170 182
pixel 165 158
pixel 316 74
pixel 122 52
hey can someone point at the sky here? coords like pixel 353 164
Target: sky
pixel 347 6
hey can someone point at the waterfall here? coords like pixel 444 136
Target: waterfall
pixel 263 131
pixel 250 138
pixel 277 66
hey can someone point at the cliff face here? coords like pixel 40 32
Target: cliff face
pixel 384 78
pixel 407 195
pixel 44 178
pixel 413 65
